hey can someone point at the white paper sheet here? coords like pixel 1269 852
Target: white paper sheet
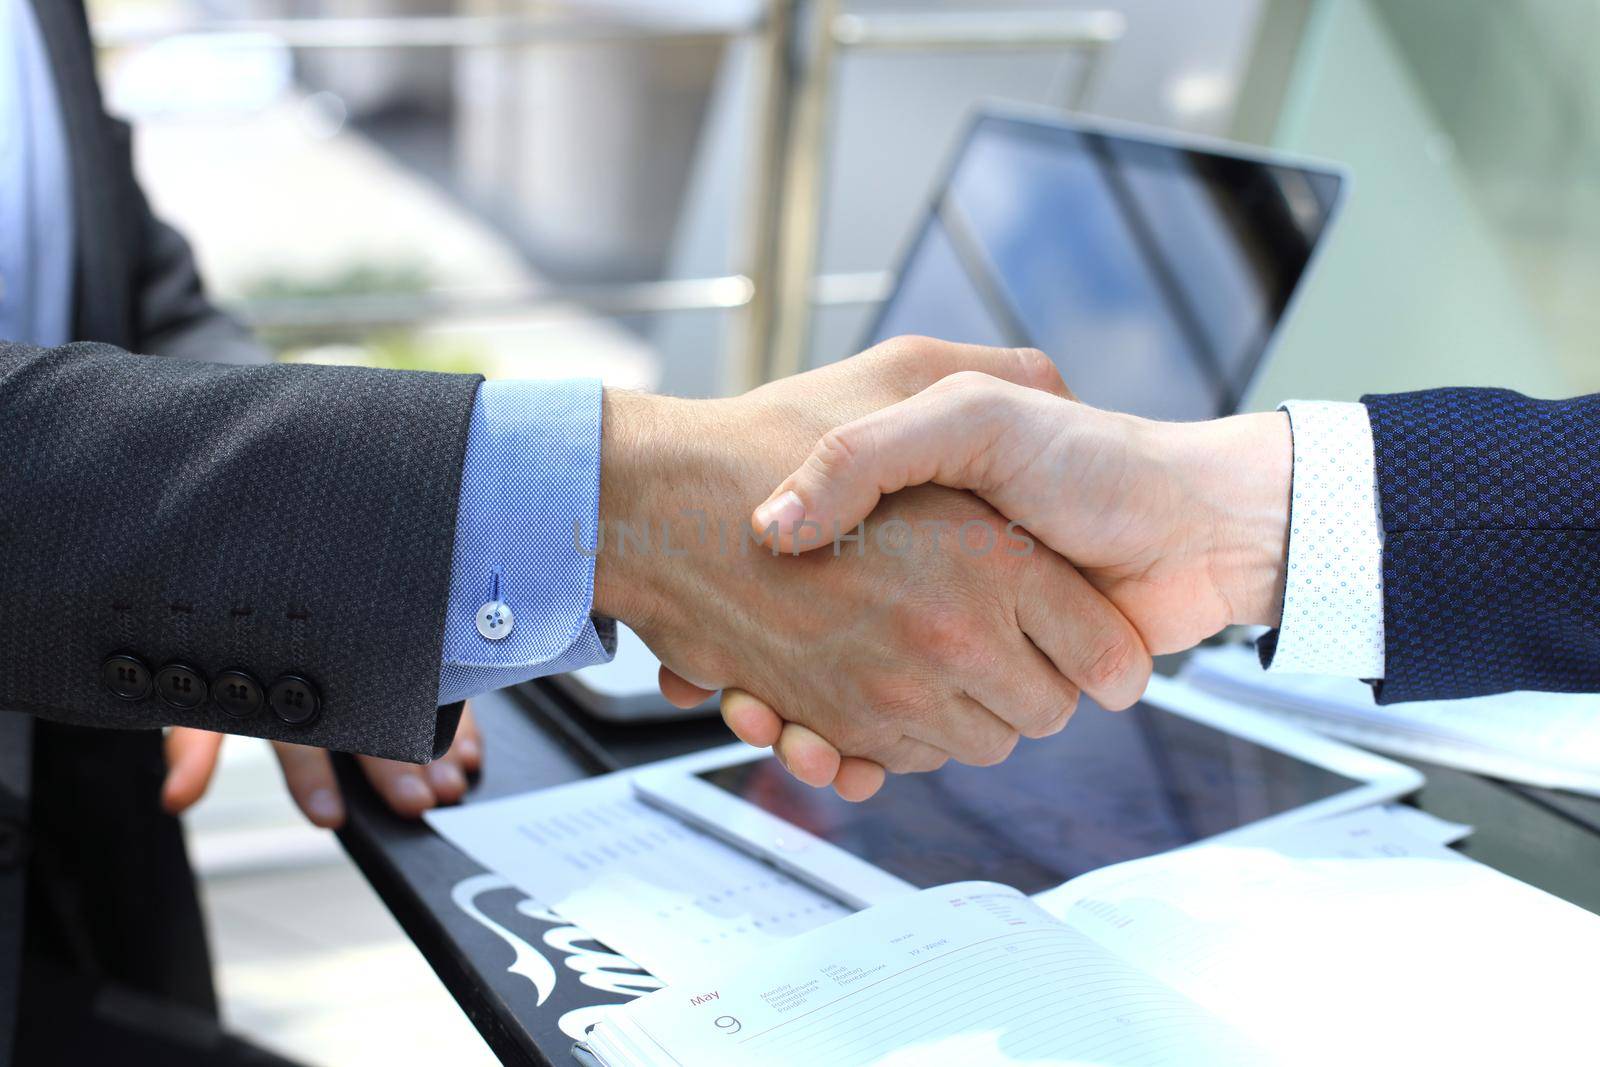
pixel 1351 941
pixel 672 899
pixel 1547 739
pixel 1415 822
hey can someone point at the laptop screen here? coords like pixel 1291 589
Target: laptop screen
pixel 1153 274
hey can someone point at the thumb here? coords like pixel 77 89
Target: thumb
pixel 679 691
pixel 942 434
pixel 191 760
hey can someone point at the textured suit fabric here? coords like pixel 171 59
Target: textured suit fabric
pixel 135 285
pixel 1491 557
pixel 111 911
pixel 273 518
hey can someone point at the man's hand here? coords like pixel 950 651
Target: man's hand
pixel 308 772
pixel 1183 526
pixel 905 648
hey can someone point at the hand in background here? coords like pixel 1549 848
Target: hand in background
pixel 409 790
pixel 1183 526
pixel 906 657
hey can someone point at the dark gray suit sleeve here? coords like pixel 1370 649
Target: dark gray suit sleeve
pixel 273 520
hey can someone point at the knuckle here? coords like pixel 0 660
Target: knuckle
pixel 1037 370
pixel 1060 715
pixel 997 751
pixel 836 451
pixel 1112 663
pixel 916 759
pixel 910 344
pixel 965 382
pixel 907 353
pixel 948 637
pixel 900 761
pixel 1041 715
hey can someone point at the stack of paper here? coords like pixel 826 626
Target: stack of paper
pixel 1546 739
pixel 1348 941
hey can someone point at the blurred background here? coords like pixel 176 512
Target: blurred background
pixel 697 195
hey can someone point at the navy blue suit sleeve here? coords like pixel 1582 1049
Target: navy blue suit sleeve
pixel 1491 557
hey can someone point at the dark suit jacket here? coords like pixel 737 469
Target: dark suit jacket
pixel 272 519
pixel 1491 555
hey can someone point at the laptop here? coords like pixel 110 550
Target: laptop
pixel 1155 268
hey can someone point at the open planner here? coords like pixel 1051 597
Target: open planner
pixel 1336 943
pixel 1545 739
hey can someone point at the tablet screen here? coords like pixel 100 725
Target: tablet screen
pixel 1112 786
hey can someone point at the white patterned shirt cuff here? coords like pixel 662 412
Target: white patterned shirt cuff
pixel 1333 594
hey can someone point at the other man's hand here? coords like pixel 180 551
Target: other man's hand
pixel 409 790
pixel 1183 526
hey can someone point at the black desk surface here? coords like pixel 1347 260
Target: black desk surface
pixel 497 958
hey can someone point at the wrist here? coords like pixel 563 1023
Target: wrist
pixel 1241 470
pixel 662 476
pixel 634 428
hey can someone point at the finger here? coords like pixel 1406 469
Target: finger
pixel 1084 635
pixel 466 751
pixel 965 729
pixel 308 772
pixel 1025 690
pixel 751 720
pixel 191 761
pixel 407 789
pixel 910 755
pixel 680 692
pixel 806 755
pixel 447 779
pixel 947 434
pixel 858 779
pixel 933 359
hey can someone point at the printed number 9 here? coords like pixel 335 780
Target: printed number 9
pixel 727 1024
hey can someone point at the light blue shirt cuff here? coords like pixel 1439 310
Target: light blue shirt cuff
pixel 525 536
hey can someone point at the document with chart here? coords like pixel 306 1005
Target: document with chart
pixel 670 898
pixel 1344 941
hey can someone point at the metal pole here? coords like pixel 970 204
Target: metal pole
pixel 376 310
pixel 802 201
pixel 769 123
pixel 428 31
pixel 969 31
pixel 1085 31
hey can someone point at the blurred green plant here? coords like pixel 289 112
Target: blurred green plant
pixel 399 348
pixel 355 279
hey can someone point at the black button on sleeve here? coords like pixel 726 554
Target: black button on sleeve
pixel 294 699
pixel 181 686
pixel 126 676
pixel 237 693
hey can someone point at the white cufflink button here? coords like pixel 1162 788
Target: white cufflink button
pixel 495 620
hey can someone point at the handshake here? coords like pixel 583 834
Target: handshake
pixel 927 552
